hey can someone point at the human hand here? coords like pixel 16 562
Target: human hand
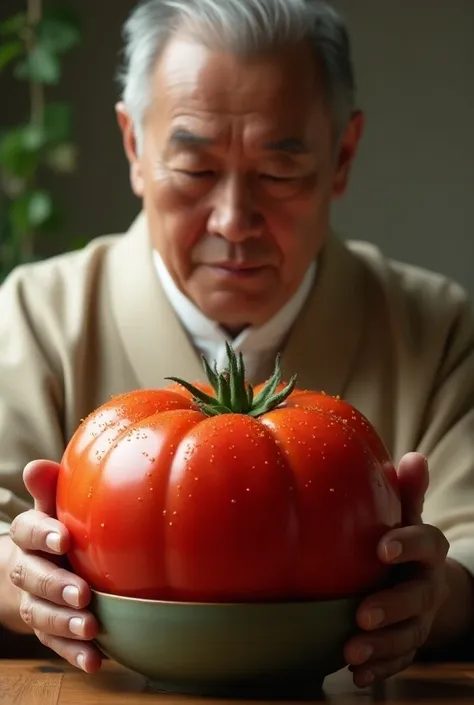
pixel 52 599
pixel 397 621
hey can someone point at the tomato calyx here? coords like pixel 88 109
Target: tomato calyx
pixel 233 394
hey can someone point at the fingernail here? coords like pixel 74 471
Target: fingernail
pixel 375 617
pixel 76 626
pixel 71 595
pixel 393 550
pixel 362 654
pixel 81 661
pixel 53 542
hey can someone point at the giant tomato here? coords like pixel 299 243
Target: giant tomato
pixel 227 496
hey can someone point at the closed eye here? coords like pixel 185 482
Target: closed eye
pixel 196 174
pixel 278 179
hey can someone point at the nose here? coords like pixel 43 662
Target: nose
pixel 234 214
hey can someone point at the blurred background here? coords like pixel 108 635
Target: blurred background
pixel 412 190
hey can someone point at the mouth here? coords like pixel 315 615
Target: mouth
pixel 237 267
pixel 236 270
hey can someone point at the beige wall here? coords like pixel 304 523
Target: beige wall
pixel 412 189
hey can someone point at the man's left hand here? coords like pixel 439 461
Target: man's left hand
pixel 397 622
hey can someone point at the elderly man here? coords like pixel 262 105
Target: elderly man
pixel 240 125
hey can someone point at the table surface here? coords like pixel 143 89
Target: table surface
pixel 56 683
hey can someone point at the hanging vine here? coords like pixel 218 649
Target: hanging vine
pixel 32 46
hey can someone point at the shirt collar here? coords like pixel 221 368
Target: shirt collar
pixel 207 334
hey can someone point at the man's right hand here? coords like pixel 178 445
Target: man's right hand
pixel 52 601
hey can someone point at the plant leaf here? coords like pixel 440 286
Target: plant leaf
pixel 33 137
pixel 62 158
pixel 66 14
pixel 20 150
pixel 57 122
pixel 14 24
pixel 19 214
pixel 41 66
pixel 9 52
pixel 57 35
pixel 31 210
pixel 40 208
pixel 12 186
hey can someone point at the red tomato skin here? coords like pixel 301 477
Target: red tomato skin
pixel 345 503
pixel 335 406
pixel 176 387
pixel 165 503
pixel 348 414
pixel 235 527
pixel 104 503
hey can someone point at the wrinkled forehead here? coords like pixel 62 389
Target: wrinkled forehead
pixel 280 92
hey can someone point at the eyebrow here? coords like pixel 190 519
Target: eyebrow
pixel 185 138
pixel 288 146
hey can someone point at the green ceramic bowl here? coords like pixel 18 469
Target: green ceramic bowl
pixel 226 650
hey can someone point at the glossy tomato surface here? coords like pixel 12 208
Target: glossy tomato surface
pixel 163 502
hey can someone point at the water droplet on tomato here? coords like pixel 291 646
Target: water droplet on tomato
pixel 164 512
pixel 102 526
pixel 233 501
pixel 107 576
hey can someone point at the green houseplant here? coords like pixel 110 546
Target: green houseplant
pixel 32 46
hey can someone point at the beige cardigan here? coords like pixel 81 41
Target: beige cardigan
pixel 396 341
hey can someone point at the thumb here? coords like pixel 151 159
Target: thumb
pixel 413 479
pixel 41 478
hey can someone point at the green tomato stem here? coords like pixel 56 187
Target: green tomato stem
pixel 233 394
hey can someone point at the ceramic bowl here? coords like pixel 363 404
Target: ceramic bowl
pixel 226 650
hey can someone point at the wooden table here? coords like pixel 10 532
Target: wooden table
pixel 56 683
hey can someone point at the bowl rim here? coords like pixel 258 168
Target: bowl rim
pixel 235 605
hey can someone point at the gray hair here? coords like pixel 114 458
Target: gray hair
pixel 243 27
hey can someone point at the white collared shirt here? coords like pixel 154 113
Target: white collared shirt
pixel 258 345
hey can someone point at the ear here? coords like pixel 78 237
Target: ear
pixel 129 139
pixel 348 146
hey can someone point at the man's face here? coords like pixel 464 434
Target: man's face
pixel 237 171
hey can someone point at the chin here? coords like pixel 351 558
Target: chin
pixel 233 313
